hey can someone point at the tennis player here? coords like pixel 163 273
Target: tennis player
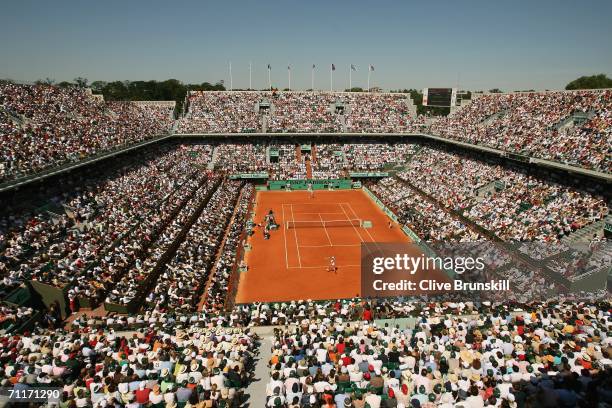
pixel 310 190
pixel 332 265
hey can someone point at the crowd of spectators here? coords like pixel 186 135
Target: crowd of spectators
pixel 103 226
pixel 253 158
pixel 427 219
pixel 290 164
pixel 303 112
pixel 242 158
pixel 221 112
pixel 380 113
pixel 334 159
pixel 111 236
pixel 328 160
pixel 220 284
pixel 528 209
pixel 184 278
pixel 516 207
pixel 43 126
pixel 196 366
pixel 148 260
pixel 299 112
pixel 546 355
pixel 533 123
pixel 583 259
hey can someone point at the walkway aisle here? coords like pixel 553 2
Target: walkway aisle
pixel 256 391
pixel 308 169
pixel 213 270
pixel 213 160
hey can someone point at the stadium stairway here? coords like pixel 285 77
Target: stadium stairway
pixel 175 126
pixel 490 119
pixel 343 123
pixel 264 124
pixel 413 155
pixel 213 160
pixel 585 234
pixel 256 391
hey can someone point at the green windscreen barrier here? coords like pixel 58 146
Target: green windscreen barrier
pixel 334 184
pixel 369 174
pixel 262 175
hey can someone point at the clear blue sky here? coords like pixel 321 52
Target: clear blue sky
pixel 507 44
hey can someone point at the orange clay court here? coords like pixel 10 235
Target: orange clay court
pixel 293 263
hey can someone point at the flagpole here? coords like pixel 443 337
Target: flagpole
pixel 369 71
pixel 231 79
pixel 289 71
pixel 331 78
pixel 350 78
pixel 250 83
pixel 312 79
pixel 269 80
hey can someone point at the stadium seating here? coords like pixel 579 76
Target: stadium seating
pixel 148 250
pixel 160 367
pixel 299 112
pixel 45 126
pixel 536 124
pixel 512 209
pixel 568 127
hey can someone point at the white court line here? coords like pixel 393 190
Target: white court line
pixel 285 237
pixel 326 213
pixel 321 267
pixel 366 230
pixel 297 245
pixel 329 246
pixel 311 204
pixel 325 229
pixel 349 218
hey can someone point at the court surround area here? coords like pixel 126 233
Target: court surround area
pixel 293 263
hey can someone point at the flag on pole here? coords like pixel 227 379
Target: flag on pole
pixel 333 67
pixel 269 79
pixel 353 68
pixel 371 67
pixel 289 67
pixel 312 78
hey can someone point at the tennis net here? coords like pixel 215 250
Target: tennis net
pixel 323 223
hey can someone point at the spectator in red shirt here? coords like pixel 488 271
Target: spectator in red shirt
pixel 367 314
pixel 142 393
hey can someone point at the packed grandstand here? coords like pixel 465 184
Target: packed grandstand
pixel 119 278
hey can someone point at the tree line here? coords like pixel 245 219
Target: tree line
pixel 590 82
pixel 168 90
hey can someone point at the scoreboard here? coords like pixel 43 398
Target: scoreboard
pixel 442 97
